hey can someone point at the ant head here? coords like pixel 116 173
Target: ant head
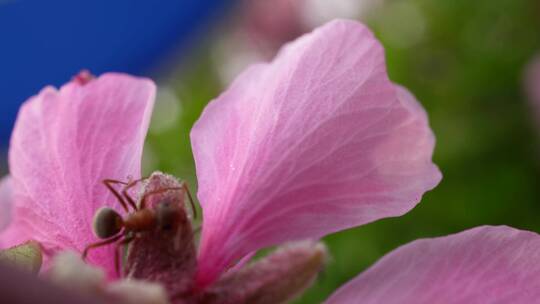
pixel 107 223
pixel 168 215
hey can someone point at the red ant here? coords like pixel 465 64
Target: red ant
pixel 112 227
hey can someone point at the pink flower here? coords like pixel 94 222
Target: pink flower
pixel 317 141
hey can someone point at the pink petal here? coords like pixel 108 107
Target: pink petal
pixel 5 202
pixel 481 265
pixel 317 141
pixel 65 142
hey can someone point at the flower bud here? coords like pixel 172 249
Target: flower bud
pixel 277 278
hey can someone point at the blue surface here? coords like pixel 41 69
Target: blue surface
pixel 46 42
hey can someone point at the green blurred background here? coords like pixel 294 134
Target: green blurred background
pixel 464 60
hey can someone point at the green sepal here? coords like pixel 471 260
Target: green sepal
pixel 25 256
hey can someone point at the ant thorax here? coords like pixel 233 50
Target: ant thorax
pixel 170 244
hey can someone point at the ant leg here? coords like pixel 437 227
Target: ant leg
pixel 108 183
pixel 99 244
pixel 185 187
pixel 119 245
pixel 125 192
pixel 146 195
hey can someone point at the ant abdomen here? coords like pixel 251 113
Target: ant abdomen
pixel 107 222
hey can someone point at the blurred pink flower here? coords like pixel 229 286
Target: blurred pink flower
pixel 262 27
pixel 532 87
pixel 270 24
pixel 65 142
pixel 259 30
